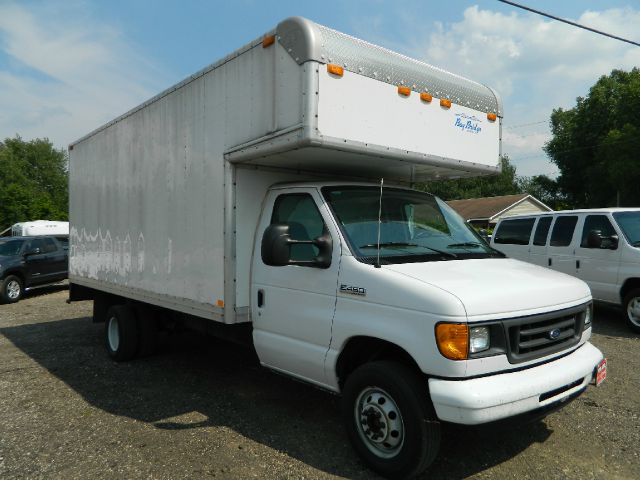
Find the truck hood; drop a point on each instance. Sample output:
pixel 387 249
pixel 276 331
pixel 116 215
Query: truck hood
pixel 491 287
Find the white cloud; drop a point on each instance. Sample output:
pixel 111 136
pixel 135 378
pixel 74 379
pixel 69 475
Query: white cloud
pixel 68 73
pixel 535 64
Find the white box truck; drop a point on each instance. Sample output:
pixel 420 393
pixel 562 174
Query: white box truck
pixel 247 201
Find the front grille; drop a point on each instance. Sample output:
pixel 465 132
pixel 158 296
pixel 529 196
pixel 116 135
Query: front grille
pixel 536 336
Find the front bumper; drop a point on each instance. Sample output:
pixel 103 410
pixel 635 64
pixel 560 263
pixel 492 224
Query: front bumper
pixel 486 399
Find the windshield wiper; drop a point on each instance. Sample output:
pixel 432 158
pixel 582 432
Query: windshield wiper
pixel 464 244
pixel 389 244
pixel 404 244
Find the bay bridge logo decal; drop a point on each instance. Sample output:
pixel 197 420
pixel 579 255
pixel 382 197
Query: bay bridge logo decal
pixel 468 123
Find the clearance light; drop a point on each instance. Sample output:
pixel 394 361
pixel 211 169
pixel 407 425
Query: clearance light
pixel 268 41
pixel 404 91
pixel 492 117
pixel 426 97
pixel 446 103
pixel 334 69
pixel 453 340
pixel 220 303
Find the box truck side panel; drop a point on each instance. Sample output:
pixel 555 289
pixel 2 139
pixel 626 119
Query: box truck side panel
pixel 147 203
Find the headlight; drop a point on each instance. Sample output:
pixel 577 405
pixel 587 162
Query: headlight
pixel 479 339
pixel 587 316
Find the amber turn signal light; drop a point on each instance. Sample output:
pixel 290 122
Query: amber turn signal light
pixel 453 340
pixel 334 69
pixel 404 91
pixel 268 41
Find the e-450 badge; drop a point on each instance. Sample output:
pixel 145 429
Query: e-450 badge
pixel 353 290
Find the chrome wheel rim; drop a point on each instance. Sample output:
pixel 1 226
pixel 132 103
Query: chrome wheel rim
pixel 113 335
pixel 633 311
pixel 379 422
pixel 13 289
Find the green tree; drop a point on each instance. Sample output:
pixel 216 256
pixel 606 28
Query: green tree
pixel 596 144
pixel 545 189
pixel 33 181
pixel 505 183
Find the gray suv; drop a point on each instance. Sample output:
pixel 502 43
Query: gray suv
pixel 28 262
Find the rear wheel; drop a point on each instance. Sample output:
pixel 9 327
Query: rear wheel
pixel 12 289
pixel 121 333
pixel 389 420
pixel 631 309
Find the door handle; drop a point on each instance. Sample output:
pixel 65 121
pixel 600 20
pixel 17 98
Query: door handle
pixel 260 298
pixel 549 262
pixel 577 263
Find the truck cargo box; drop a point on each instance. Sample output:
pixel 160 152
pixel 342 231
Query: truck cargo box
pixel 164 199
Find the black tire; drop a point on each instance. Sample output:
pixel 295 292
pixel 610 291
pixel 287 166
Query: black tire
pixel 121 333
pixel 398 398
pixel 631 309
pixel 12 289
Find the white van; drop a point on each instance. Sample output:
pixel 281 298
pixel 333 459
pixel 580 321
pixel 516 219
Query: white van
pixel 599 246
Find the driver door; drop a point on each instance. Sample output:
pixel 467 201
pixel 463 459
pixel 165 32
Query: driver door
pixel 292 306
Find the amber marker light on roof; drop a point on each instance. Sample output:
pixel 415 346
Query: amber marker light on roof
pixel 268 41
pixel 404 91
pixel 335 69
pixel 445 102
pixel 492 117
pixel 453 340
pixel 426 97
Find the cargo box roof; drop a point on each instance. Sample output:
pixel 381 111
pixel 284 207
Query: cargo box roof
pixel 306 40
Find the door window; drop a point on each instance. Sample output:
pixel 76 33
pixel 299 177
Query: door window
pixel 563 231
pixel 49 245
pixel 542 231
pixel 36 243
pixel 299 211
pixel 599 223
pixel 515 232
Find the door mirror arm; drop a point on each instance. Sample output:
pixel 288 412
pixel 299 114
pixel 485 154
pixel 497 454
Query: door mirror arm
pixel 276 248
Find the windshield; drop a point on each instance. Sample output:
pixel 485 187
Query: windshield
pixel 414 226
pixel 629 223
pixel 10 247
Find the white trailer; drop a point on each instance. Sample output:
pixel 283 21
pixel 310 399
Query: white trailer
pixel 40 227
pixel 248 199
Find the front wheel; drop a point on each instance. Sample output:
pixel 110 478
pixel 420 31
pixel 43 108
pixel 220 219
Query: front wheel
pixel 11 289
pixel 631 309
pixel 389 420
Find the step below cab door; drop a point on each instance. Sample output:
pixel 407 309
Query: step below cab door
pixel 292 306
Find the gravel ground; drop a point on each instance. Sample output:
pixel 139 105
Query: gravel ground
pixel 202 408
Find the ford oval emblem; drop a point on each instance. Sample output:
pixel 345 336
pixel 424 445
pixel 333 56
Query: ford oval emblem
pixel 554 334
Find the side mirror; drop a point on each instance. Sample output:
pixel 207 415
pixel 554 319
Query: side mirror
pixel 35 251
pixel 594 239
pixel 276 248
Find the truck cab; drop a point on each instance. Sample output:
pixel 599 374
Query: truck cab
pixel 350 276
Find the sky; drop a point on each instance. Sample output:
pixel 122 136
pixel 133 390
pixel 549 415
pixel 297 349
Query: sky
pixel 69 66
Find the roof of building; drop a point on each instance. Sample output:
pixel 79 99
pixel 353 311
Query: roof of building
pixel 489 207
